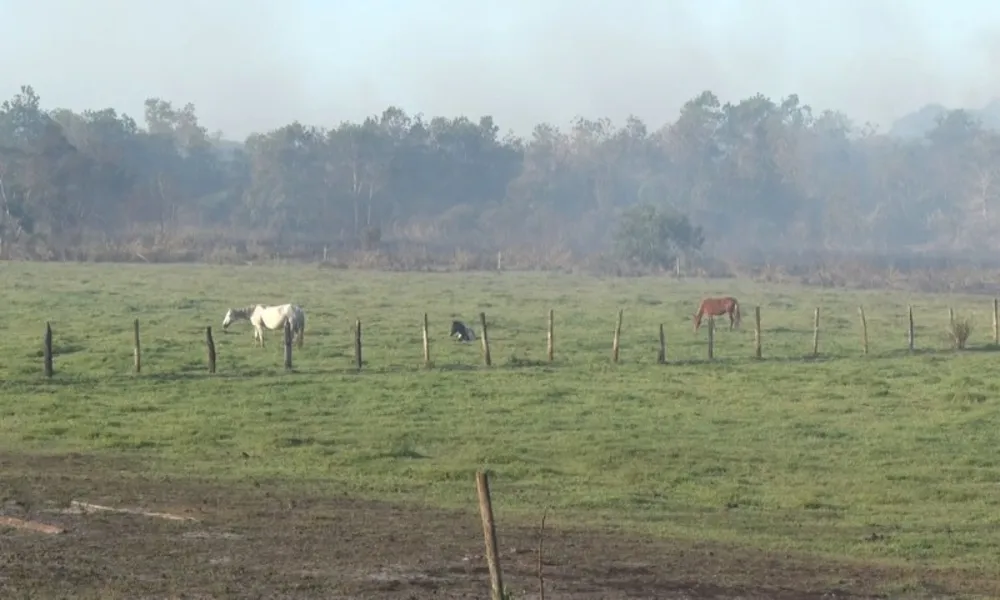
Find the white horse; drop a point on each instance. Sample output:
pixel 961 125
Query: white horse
pixel 262 316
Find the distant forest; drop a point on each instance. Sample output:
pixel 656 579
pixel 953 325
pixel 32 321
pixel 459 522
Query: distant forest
pixel 748 180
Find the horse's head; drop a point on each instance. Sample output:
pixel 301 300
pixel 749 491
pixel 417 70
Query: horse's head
pixel 697 320
pixel 227 320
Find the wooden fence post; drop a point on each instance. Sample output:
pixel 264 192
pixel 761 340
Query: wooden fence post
pixel 489 535
pixel 996 322
pixel 541 538
pixel 288 345
pixel 661 356
pixel 136 351
pixel 757 351
pixel 711 337
pixel 864 329
pixel 911 337
pixel 47 350
pixel 486 340
pixel 427 344
pixel 816 332
pixel 951 319
pixel 551 340
pixel 210 343
pixel 357 343
pixel 616 343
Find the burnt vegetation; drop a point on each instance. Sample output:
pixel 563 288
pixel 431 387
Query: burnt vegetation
pixel 771 189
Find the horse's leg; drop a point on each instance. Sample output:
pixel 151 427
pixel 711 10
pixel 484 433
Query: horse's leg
pixel 732 320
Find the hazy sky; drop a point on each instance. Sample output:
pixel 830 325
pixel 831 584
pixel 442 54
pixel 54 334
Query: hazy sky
pixel 250 65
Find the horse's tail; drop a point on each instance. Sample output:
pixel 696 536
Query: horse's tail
pixel 736 310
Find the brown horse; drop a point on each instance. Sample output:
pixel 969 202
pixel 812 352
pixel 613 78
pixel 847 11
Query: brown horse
pixel 715 307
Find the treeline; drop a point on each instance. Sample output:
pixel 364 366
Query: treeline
pixel 756 176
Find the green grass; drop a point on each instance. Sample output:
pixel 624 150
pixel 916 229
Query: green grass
pixel 787 453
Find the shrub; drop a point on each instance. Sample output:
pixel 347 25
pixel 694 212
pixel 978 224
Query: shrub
pixel 654 237
pixel 959 330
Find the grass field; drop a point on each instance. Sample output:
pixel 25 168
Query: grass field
pixel 889 459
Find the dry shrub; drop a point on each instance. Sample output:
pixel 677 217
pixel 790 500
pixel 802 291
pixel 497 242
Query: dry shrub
pixel 371 237
pixel 363 259
pixel 224 255
pixel 464 260
pixel 959 331
pixel 539 257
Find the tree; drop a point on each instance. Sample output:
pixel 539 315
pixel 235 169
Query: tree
pixel 757 174
pixel 652 237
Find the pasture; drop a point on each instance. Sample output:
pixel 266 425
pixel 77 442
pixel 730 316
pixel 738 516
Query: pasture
pixel 788 477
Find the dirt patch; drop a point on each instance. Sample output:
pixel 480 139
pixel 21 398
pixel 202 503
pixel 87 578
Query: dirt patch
pixel 272 542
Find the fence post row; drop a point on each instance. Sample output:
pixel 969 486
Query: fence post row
pixel 661 355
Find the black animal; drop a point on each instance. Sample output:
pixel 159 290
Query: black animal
pixel 462 332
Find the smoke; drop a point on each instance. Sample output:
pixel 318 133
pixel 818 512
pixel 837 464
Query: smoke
pixel 251 65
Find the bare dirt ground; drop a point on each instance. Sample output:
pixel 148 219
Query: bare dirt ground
pixel 262 541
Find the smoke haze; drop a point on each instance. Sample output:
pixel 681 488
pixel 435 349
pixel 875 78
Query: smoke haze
pixel 250 65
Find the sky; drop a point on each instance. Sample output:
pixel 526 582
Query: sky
pixel 252 66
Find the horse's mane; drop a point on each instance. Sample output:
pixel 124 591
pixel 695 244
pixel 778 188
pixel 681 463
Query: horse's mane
pixel 246 311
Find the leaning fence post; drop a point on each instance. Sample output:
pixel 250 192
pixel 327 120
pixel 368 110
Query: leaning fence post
pixel 210 343
pixel 486 340
pixel 489 535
